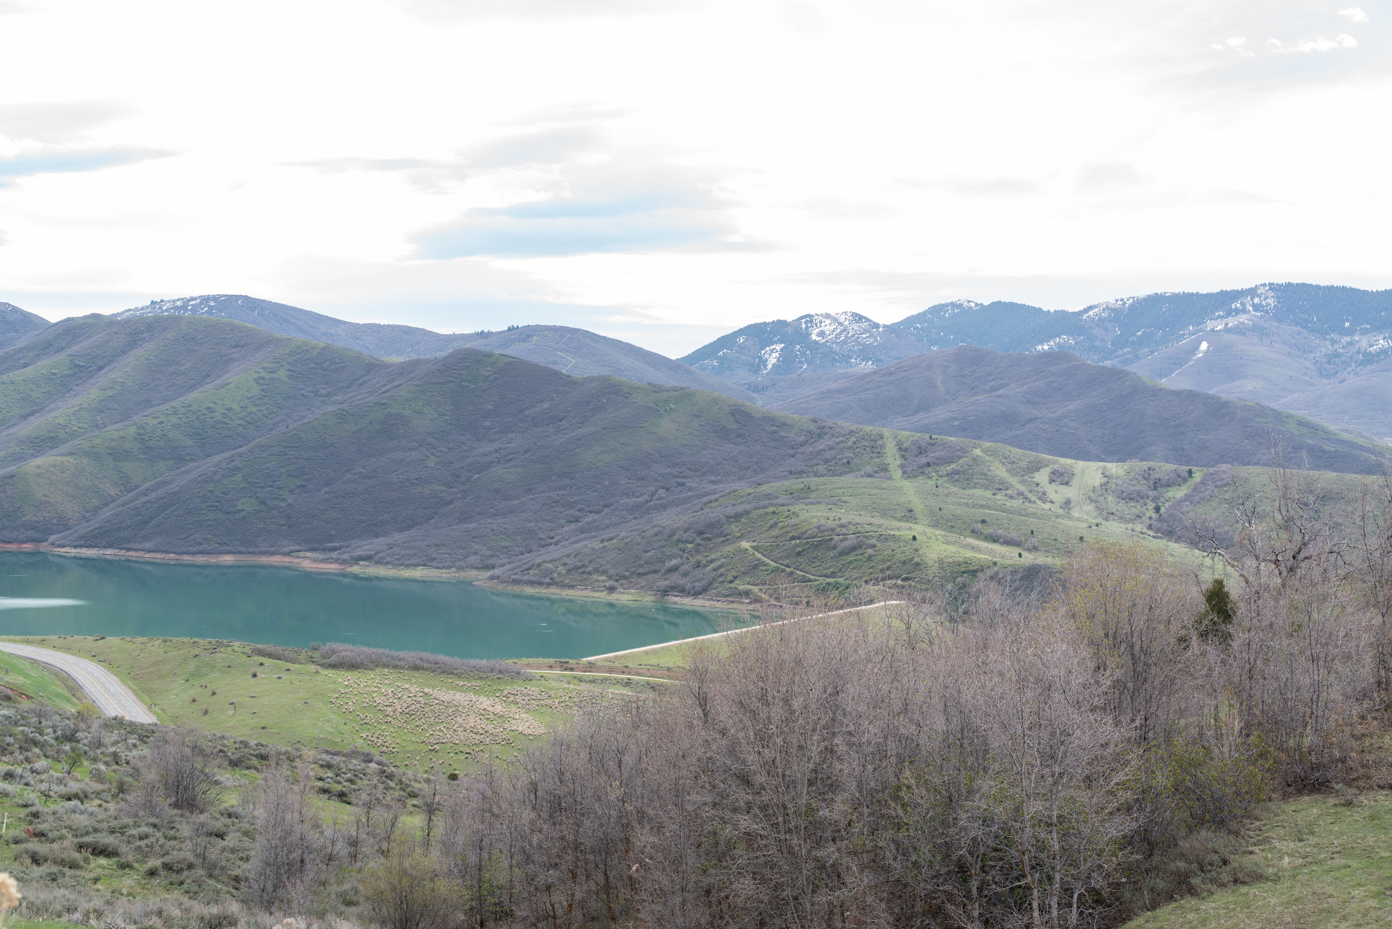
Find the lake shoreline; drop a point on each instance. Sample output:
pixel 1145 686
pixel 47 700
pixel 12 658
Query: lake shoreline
pixel 359 569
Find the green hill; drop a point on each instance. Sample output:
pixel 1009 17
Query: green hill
pixel 1058 404
pixel 195 435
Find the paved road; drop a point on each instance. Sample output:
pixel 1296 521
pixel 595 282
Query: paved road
pixel 100 685
pixel 721 635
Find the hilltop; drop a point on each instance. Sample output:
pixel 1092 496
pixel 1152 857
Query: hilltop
pixel 15 324
pixel 572 351
pixel 581 353
pixel 784 357
pixel 379 340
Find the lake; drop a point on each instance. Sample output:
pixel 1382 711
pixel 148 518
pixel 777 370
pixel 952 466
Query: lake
pixel 42 594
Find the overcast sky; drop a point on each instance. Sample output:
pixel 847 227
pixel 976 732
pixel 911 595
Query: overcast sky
pixel 664 172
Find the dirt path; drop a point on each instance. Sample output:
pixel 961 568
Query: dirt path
pixel 749 547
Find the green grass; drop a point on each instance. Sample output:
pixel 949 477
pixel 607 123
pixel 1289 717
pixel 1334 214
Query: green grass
pixel 413 718
pixel 19 922
pixel 37 683
pixel 926 529
pixel 1328 866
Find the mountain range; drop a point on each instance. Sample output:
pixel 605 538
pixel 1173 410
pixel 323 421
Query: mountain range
pixel 196 435
pixel 1322 351
pixel 572 351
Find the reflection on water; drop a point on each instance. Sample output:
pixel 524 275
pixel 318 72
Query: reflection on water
pixel 285 606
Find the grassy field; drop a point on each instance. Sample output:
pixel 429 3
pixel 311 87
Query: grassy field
pixel 413 718
pixel 35 682
pixel 1328 864
pixel 820 537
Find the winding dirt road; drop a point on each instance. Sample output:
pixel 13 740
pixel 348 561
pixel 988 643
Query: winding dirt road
pixel 102 687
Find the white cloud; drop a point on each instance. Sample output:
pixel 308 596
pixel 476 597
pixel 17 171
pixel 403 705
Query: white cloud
pixel 614 207
pixel 57 122
pixel 1107 177
pixel 607 161
pixel 28 159
pixel 1237 45
pixel 1354 15
pixel 1315 45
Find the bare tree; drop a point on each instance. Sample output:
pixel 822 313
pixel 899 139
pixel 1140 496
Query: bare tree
pixel 287 828
pixel 1372 562
pixel 179 771
pixel 1131 610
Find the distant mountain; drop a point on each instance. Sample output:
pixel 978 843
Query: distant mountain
pixel 811 344
pixel 581 353
pixel 574 351
pixel 15 324
pixel 1059 404
pixel 380 340
pixel 1005 327
pixel 1298 347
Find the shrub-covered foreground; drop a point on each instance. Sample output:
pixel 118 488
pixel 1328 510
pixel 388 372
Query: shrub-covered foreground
pixel 1054 755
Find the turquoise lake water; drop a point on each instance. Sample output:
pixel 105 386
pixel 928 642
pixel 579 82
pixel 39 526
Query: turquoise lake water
pixel 43 594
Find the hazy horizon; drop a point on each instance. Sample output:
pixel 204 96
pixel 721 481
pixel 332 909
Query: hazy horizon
pixel 667 172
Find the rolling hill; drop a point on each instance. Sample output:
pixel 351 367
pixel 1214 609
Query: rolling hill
pixel 573 351
pixel 376 339
pixel 1058 404
pixel 196 435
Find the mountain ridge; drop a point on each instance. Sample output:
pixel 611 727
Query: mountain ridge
pixel 1303 348
pixel 1056 403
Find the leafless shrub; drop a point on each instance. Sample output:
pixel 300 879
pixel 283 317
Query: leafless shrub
pixel 360 657
pixel 287 829
pixel 178 771
pixel 409 890
pixel 280 653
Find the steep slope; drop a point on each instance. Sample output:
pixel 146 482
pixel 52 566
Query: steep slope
pixel 811 344
pixel 580 353
pixel 1058 404
pixel 15 324
pixel 202 435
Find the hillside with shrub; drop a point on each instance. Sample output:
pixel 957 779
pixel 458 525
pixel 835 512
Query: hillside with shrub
pixel 1080 751
pixel 191 435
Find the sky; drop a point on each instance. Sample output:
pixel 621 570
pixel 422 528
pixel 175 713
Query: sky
pixel 665 172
